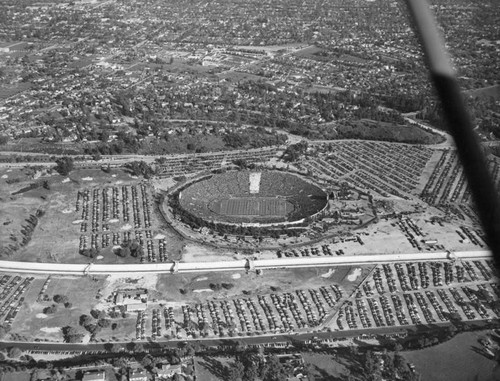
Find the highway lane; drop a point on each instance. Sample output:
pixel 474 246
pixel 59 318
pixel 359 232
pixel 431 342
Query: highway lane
pixel 232 265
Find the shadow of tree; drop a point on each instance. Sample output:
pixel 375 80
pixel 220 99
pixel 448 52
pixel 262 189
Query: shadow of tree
pixel 482 352
pixel 323 375
pixel 215 367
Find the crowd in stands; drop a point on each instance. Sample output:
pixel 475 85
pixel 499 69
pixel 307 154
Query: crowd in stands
pixel 202 198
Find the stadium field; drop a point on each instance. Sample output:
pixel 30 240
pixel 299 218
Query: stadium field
pixel 253 206
pixel 255 197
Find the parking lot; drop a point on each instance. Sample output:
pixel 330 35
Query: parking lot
pixel 12 289
pixel 114 215
pixel 393 295
pixel 422 293
pixel 394 172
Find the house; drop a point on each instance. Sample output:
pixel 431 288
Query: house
pixel 99 375
pixel 167 370
pixel 131 296
pixel 138 375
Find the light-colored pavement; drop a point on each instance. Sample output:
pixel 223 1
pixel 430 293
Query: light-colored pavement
pixel 235 265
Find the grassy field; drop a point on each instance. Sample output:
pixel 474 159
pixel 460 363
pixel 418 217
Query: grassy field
pixel 456 360
pixel 210 368
pixel 57 235
pixel 16 376
pixel 169 286
pixel 485 92
pixel 325 367
pixel 31 321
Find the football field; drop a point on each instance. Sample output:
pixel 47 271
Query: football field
pixel 255 206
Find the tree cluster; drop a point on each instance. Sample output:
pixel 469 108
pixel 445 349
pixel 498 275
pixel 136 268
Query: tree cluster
pixel 140 168
pixel 91 253
pixel 130 248
pixel 64 165
pixel 71 335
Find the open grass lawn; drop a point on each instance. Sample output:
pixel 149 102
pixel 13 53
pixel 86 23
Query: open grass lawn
pixel 16 376
pixel 31 322
pixel 56 237
pixel 210 368
pixel 272 281
pixel 125 330
pixel 325 367
pixel 485 92
pixel 15 209
pixel 456 360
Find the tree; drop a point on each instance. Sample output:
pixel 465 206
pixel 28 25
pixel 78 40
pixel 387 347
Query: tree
pixel 50 310
pixel 274 370
pixel 115 348
pixel 119 362
pixel 123 252
pixel 64 165
pixel 61 299
pixel 14 352
pixel 97 314
pixel 71 335
pixel 104 136
pixel 135 347
pixel 399 362
pixel 85 320
pixel 251 372
pixel 190 351
pixel 236 371
pixel 104 323
pixel 148 361
pixel 3 331
pixel 91 253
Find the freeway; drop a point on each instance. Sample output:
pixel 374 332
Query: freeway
pixel 233 265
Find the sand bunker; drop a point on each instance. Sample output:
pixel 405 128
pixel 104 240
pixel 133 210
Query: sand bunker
pixel 117 281
pixel 126 227
pixel 113 220
pixel 68 210
pixel 66 180
pixel 50 329
pixel 201 279
pixel 5 176
pixel 41 316
pixel 236 276
pixel 354 274
pixel 76 222
pixel 203 290
pixel 99 257
pixel 159 236
pixel 87 179
pixel 328 274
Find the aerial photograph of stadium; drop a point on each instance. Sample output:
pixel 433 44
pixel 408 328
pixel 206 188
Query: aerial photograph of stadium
pixel 249 190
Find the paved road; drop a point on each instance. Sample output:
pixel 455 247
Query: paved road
pixel 232 265
pixel 229 341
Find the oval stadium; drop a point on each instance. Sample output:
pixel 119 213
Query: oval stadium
pixel 253 198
